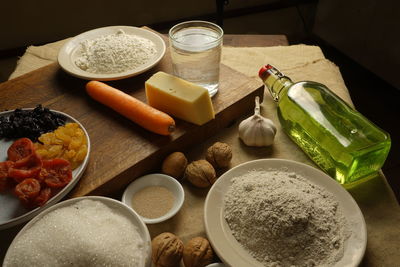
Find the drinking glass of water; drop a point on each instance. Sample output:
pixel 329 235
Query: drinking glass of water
pixel 196 52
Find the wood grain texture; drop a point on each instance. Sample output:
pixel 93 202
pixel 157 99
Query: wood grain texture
pixel 121 150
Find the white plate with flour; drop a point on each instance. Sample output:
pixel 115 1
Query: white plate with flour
pixel 232 253
pixel 111 53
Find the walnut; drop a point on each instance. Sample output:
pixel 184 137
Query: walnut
pixel 219 155
pixel 175 165
pixel 201 173
pixel 198 253
pixel 167 250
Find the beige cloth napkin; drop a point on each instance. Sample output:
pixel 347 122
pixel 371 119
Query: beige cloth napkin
pixel 300 62
pixel 36 57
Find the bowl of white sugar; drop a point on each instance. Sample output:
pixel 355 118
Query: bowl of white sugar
pixel 85 231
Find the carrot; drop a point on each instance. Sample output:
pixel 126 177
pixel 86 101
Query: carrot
pixel 146 116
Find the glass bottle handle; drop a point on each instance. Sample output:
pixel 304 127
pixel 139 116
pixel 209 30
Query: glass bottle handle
pixel 279 78
pixel 274 94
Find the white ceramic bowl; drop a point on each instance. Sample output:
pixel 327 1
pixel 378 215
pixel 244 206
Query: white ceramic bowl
pixel 156 179
pixel 115 205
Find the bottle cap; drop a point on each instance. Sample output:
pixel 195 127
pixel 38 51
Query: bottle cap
pixel 263 72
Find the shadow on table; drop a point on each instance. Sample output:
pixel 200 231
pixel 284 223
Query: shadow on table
pixel 7 235
pixel 382 214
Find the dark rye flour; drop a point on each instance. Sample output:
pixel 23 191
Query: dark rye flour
pixel 284 220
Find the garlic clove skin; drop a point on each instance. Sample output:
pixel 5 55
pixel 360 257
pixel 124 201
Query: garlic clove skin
pixel 257 131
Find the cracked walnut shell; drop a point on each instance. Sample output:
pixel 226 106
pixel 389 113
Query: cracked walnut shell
pixel 167 250
pixel 198 253
pixel 201 173
pixel 219 155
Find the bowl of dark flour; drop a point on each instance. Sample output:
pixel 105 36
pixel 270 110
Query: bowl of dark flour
pixel 275 212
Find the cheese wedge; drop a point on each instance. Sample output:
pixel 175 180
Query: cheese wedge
pixel 179 98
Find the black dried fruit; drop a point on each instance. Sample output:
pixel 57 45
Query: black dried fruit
pixel 30 123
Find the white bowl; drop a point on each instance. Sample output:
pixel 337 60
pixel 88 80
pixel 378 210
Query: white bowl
pixel 156 179
pixel 115 205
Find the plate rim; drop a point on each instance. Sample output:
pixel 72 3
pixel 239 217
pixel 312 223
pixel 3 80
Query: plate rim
pixel 65 62
pixel 55 199
pixel 227 176
pixel 105 200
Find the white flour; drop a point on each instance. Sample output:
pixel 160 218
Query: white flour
pixel 114 53
pixel 284 220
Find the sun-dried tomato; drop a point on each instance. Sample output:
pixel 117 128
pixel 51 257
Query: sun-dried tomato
pixel 43 196
pixel 20 149
pixel 27 190
pixel 56 173
pixel 28 167
pixel 4 178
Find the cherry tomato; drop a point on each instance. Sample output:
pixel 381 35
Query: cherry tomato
pixel 56 173
pixel 28 167
pixel 43 197
pixel 20 149
pixel 27 190
pixel 4 179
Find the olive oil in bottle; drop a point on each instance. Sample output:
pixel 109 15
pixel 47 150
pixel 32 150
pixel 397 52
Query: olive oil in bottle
pixel 340 140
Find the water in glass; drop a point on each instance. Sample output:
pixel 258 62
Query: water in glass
pixel 196 55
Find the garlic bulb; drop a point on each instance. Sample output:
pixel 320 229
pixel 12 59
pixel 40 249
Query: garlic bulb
pixel 257 130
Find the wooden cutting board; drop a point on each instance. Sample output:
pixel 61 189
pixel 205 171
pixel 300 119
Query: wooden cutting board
pixel 121 150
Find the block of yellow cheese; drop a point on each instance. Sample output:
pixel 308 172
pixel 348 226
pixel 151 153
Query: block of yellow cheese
pixel 179 98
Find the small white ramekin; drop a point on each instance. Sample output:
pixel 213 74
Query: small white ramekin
pixel 156 179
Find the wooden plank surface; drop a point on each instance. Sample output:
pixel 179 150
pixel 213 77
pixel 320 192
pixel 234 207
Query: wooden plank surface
pixel 121 150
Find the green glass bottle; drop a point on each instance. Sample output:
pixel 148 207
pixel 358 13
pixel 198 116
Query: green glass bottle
pixel 340 140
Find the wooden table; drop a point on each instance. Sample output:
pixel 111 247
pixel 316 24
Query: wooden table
pixel 380 212
pixel 51 87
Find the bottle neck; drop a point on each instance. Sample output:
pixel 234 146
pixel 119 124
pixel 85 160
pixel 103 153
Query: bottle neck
pixel 275 81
